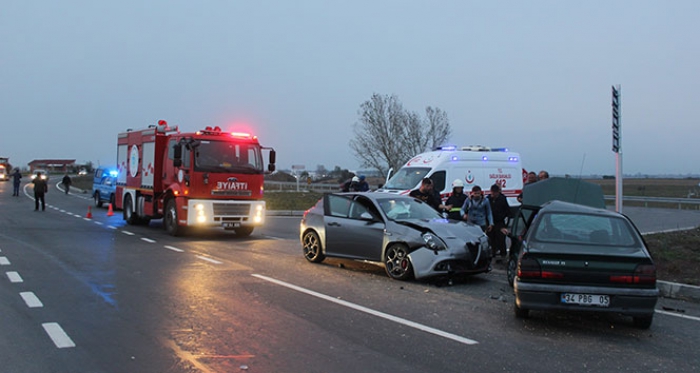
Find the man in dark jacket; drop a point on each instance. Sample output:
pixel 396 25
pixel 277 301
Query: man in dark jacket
pixel 66 183
pixel 454 203
pixel 501 211
pixel 16 179
pixel 40 189
pixel 426 194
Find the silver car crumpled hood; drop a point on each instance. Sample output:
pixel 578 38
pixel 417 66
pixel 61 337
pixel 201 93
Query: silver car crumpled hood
pixel 457 236
pixel 446 229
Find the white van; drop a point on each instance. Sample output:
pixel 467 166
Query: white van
pixel 475 165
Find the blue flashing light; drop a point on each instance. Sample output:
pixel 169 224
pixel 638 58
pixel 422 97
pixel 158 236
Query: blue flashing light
pixel 484 158
pixel 513 159
pixel 454 158
pixel 450 147
pixel 113 173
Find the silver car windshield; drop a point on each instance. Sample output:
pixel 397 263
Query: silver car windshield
pixel 582 228
pixel 407 208
pixel 224 156
pixel 407 178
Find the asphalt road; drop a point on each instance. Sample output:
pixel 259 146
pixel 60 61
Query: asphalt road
pixel 96 295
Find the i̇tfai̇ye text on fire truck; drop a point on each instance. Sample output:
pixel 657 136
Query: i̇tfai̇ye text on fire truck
pixel 201 179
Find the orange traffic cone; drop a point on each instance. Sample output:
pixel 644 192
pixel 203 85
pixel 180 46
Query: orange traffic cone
pixel 89 213
pixel 110 212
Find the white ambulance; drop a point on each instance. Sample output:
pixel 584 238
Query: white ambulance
pixel 474 165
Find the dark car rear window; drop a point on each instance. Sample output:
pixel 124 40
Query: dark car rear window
pixel 601 230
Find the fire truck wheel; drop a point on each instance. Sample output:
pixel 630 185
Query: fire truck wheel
pixel 243 231
pixel 129 214
pixel 170 219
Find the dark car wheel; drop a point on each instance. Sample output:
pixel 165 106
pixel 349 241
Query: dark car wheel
pixel 521 313
pixel 512 269
pixel 643 322
pixel 98 201
pixel 311 245
pixel 396 262
pixel 112 199
pixel 170 219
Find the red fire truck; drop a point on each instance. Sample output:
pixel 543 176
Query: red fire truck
pixel 206 178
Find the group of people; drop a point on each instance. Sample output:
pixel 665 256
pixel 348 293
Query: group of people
pixel 488 212
pixel 41 187
pixel 356 184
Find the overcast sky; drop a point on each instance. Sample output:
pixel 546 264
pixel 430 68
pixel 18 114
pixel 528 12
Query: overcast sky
pixel 533 76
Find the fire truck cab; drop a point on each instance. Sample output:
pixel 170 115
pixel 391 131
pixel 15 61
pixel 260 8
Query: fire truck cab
pixel 201 179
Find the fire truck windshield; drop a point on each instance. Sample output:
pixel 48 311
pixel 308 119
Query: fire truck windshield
pixel 228 157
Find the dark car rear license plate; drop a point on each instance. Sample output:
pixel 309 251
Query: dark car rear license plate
pixel 597 300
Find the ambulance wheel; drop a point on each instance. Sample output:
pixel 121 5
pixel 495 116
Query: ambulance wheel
pixel 98 201
pixel 129 214
pixel 170 219
pixel 243 231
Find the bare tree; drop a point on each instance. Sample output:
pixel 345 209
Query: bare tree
pixel 386 135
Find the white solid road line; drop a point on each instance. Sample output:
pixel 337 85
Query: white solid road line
pixel 682 316
pixel 370 311
pixel 14 277
pixel 57 335
pixel 31 300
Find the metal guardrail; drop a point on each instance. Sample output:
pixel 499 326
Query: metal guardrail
pixel 285 186
pixel 692 202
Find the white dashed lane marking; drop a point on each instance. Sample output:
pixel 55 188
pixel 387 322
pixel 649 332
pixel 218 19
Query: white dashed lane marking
pixel 31 300
pixel 57 335
pixel 4 261
pixel 128 233
pixel 147 240
pixel 14 277
pixel 210 260
pixel 173 248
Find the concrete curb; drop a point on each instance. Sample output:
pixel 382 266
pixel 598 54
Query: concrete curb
pixel 675 290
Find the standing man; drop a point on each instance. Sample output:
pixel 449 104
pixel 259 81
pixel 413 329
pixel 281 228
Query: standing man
pixel 477 210
pixel 40 189
pixel 66 183
pixel 363 186
pixel 16 178
pixel 501 211
pixel 426 194
pixel 454 203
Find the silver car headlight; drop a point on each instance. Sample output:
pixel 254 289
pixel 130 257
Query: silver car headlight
pixel 433 242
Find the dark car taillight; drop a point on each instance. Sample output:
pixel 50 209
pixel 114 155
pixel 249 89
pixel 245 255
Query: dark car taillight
pixel 644 274
pixel 529 268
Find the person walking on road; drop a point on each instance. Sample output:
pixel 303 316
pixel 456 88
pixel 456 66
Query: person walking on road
pixel 40 189
pixel 66 183
pixel 16 178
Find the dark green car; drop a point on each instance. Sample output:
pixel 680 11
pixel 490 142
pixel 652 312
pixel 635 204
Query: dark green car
pixel 569 253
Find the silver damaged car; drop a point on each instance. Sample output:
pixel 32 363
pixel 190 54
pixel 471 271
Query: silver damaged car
pixel 410 238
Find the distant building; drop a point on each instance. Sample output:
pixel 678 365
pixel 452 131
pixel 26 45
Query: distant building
pixel 52 165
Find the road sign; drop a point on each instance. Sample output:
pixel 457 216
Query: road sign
pixel 616 135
